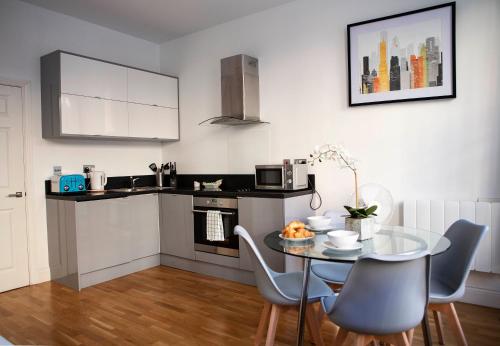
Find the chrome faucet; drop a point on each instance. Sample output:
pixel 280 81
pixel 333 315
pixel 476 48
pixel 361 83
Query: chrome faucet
pixel 132 182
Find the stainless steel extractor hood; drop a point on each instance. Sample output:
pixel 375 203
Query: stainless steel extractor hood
pixel 239 92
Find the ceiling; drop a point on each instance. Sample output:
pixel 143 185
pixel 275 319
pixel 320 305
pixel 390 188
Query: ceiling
pixel 157 20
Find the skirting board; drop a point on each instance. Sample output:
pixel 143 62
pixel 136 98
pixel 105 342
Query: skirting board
pixel 233 274
pixel 483 289
pixel 478 296
pixel 111 273
pixel 39 275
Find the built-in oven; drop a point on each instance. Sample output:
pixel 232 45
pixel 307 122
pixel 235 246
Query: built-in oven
pixel 228 208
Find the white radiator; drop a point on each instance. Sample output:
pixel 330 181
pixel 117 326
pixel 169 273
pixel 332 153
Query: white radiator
pixel 437 216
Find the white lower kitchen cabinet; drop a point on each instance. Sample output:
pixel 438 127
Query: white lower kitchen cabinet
pixel 145 229
pixel 102 233
pixel 176 225
pixel 260 216
pixel 153 122
pixel 93 241
pixel 90 116
pixel 99 240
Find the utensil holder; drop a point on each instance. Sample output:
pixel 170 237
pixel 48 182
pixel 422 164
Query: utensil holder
pixel 159 178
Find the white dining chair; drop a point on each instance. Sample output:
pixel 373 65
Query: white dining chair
pixel 333 273
pixel 281 291
pixel 383 299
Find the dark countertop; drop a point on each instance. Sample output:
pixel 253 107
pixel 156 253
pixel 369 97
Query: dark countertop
pixel 97 195
pixel 251 193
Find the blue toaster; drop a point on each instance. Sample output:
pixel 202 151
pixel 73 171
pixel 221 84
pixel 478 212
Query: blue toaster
pixel 67 183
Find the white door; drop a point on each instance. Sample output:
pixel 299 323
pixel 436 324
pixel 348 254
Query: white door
pixel 13 239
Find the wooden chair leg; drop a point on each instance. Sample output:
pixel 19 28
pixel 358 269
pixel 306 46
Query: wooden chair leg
pixel 314 327
pixel 451 314
pixel 449 311
pixel 399 339
pixel 402 339
pixel 409 335
pixel 439 326
pixel 273 323
pixel 362 340
pixel 264 317
pixel 320 314
pixel 359 340
pixel 341 337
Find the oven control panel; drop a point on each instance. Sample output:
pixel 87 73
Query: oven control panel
pixel 214 202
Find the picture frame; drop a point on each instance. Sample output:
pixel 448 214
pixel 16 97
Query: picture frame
pixel 404 57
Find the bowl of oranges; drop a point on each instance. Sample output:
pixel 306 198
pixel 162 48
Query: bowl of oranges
pixel 296 231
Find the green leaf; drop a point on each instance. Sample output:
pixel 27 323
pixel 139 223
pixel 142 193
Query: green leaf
pixel 371 210
pixel 363 211
pixel 358 214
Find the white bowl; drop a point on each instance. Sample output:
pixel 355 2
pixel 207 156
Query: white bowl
pixel 318 221
pixel 343 239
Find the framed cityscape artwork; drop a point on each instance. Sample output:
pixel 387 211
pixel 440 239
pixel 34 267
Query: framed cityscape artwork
pixel 404 57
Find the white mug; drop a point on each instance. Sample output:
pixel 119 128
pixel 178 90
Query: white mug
pixel 98 180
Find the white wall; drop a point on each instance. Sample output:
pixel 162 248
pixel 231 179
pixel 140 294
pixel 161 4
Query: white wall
pixel 447 149
pixel 28 32
pixel 443 149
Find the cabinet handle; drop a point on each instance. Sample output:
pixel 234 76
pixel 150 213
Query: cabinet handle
pixel 204 211
pixel 18 194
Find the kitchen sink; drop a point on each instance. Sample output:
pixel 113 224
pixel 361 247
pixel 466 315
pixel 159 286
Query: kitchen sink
pixel 141 189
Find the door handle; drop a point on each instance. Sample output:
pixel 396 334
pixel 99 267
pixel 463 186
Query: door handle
pixel 18 194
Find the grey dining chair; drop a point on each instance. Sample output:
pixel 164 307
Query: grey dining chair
pixel 383 299
pixel 282 291
pixel 449 273
pixel 333 273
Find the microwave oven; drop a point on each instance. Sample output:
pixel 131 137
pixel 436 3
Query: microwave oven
pixel 286 176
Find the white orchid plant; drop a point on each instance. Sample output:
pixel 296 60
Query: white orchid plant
pixel 338 154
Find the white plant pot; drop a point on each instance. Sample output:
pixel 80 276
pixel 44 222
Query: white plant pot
pixel 365 227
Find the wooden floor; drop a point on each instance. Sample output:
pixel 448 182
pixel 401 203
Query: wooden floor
pixel 165 306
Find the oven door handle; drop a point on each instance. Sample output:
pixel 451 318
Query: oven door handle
pixel 204 211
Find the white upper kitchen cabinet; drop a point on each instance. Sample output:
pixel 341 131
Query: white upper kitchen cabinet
pixel 153 122
pixel 82 115
pixel 91 98
pixel 152 89
pixel 94 78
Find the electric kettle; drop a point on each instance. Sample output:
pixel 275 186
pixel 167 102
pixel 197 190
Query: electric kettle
pixel 98 180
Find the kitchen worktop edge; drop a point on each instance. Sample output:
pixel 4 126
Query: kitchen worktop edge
pixel 94 196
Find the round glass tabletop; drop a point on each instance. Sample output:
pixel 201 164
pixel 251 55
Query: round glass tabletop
pixel 389 240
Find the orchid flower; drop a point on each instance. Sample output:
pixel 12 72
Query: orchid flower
pixel 338 154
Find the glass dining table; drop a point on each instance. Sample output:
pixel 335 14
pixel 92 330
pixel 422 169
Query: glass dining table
pixel 388 240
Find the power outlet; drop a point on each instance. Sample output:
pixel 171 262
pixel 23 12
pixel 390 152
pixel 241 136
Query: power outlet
pixel 57 170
